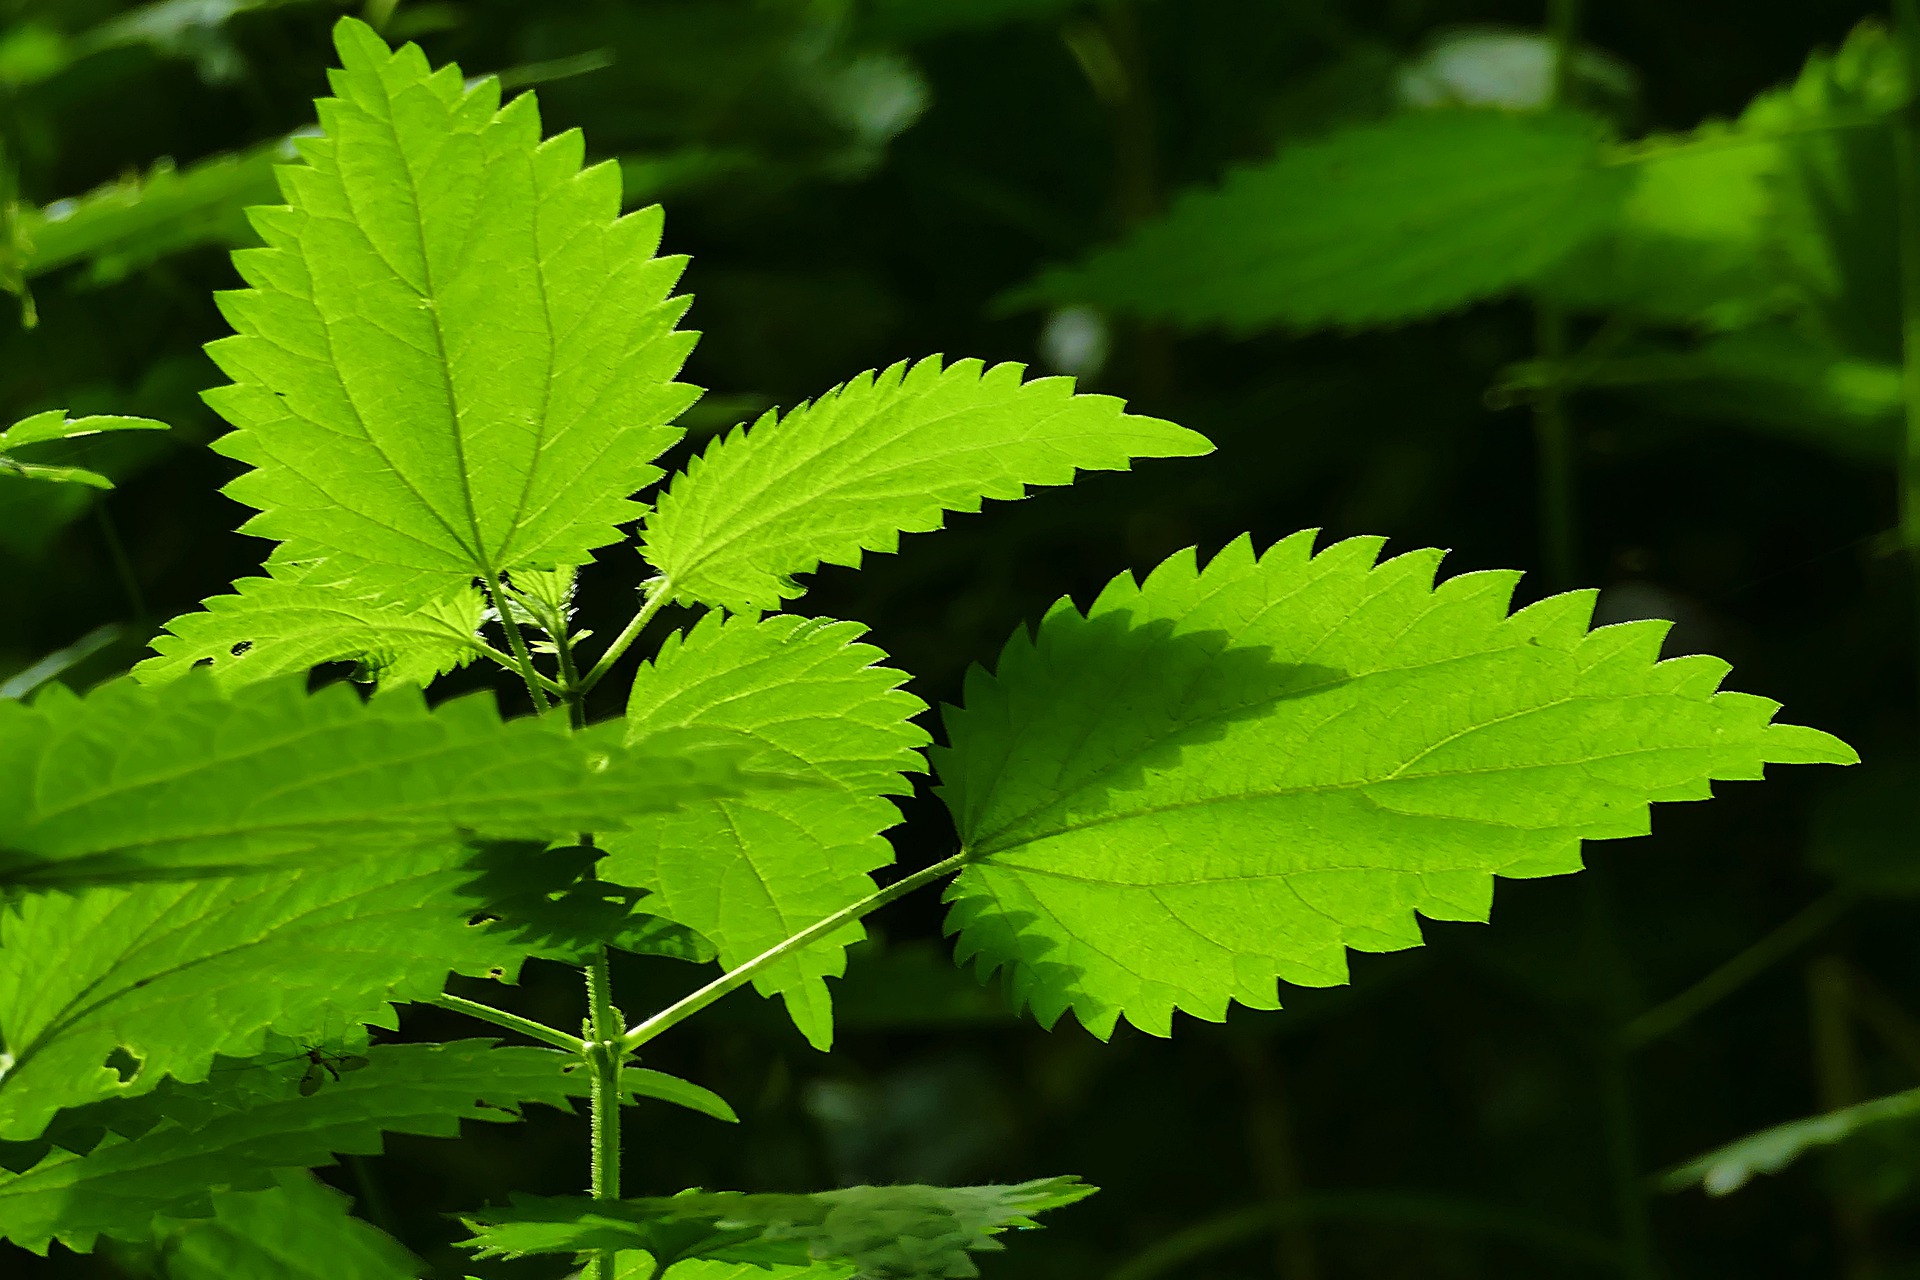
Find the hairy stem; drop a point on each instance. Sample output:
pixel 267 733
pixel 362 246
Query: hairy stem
pixel 511 1021
pixel 1673 1013
pixel 507 661
pixel 733 979
pixel 653 598
pixel 522 656
pixel 606 1057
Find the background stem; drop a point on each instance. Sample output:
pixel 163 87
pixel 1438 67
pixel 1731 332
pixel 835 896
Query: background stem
pixel 1553 429
pixel 1906 145
pixel 122 565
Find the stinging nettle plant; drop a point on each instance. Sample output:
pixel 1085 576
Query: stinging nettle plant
pixel 453 366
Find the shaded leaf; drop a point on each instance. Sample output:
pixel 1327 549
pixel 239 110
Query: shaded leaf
pixel 297 1229
pixel 885 1233
pixel 1379 223
pixel 233 1134
pixel 133 222
pixel 140 782
pixel 1771 1150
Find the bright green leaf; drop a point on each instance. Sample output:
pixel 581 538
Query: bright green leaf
pixel 234 1134
pixel 1385 222
pixel 298 1229
pixel 456 358
pixel 885 1233
pixel 155 781
pixel 885 454
pixel 750 870
pixel 1230 775
pixel 302 616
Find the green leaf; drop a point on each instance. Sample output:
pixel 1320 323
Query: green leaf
pixel 232 1135
pixel 52 426
pixel 750 870
pixel 1230 775
pixel 1835 217
pixel 885 1233
pixel 298 1229
pixel 455 358
pixel 559 907
pixel 885 454
pixel 138 782
pixel 1692 241
pixel 641 1266
pixel 303 616
pixel 1725 1171
pixel 155 980
pixel 1381 223
pixel 133 222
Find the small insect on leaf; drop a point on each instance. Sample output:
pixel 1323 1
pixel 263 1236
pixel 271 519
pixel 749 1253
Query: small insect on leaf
pixel 322 1063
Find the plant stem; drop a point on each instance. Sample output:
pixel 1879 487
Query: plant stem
pixel 1672 1014
pixel 606 1056
pixel 1175 1254
pixel 511 1021
pixel 1837 1079
pixel 1617 996
pixel 522 656
pixel 1906 145
pixel 727 982
pixel 1553 431
pixel 506 660
pixel 653 598
pixel 122 564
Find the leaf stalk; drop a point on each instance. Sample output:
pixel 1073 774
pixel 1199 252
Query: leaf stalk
pixel 654 595
pixel 511 1021
pixel 522 656
pixel 733 979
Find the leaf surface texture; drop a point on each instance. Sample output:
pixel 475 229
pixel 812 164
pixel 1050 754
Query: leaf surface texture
pixel 298 1229
pixel 302 616
pixel 749 870
pixel 1230 775
pixel 886 454
pixel 235 1134
pixel 455 357
pixel 885 1233
pixel 140 782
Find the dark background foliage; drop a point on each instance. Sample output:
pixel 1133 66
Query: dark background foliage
pixel 1474 1108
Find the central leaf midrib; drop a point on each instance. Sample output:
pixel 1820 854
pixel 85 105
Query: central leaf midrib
pixel 482 562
